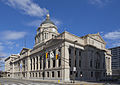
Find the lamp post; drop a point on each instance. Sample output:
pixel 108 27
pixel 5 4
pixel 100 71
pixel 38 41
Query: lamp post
pixel 74 68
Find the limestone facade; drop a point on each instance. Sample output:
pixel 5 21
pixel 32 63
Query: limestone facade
pixel 54 56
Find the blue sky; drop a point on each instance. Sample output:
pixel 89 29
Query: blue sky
pixel 19 20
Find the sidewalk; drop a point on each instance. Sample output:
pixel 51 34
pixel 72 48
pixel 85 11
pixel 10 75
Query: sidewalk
pixel 56 82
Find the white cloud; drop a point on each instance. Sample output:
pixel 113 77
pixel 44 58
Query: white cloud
pixel 57 22
pixel 12 35
pixel 116 44
pixel 35 23
pixel 99 2
pixel 112 35
pixel 28 7
pixel 9 42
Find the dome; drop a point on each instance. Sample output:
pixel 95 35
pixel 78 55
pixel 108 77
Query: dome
pixel 47 20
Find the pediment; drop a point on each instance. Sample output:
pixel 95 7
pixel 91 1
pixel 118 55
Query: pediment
pixel 97 37
pixel 23 51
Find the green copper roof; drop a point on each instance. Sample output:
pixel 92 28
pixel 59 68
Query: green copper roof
pixel 47 20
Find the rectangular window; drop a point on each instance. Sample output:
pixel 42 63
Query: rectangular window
pixel 59 62
pixel 79 53
pixel 69 61
pixel 40 62
pixel 71 72
pixel 58 73
pixel 30 74
pixel 36 74
pixel 33 74
pixel 47 74
pixel 34 63
pixel 91 74
pixel 75 51
pixel 80 63
pixel 91 63
pixel 48 63
pixel 54 63
pixel 31 64
pixel 75 63
pixel 53 74
pixel 37 62
pixel 69 51
pixel 39 74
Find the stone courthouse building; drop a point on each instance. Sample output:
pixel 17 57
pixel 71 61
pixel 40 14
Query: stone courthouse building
pixel 62 56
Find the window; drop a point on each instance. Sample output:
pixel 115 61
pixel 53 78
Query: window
pixel 34 63
pixel 30 74
pixel 53 36
pixel 69 61
pixel 91 74
pixel 39 74
pixel 40 62
pixel 75 51
pixel 47 74
pixel 59 62
pixel 75 63
pixel 79 53
pixel 48 63
pixel 31 64
pixel 36 74
pixel 80 63
pixel 91 63
pixel 37 62
pixel 54 63
pixel 58 73
pixel 33 74
pixel 45 36
pixel 54 52
pixel 69 51
pixel 53 74
pixel 76 74
pixel 70 72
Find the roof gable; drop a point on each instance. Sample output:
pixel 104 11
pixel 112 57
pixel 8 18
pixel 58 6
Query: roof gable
pixel 97 37
pixel 23 51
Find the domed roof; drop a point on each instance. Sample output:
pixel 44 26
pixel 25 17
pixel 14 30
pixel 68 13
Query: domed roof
pixel 47 20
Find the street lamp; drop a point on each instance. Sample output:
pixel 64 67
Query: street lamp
pixel 74 68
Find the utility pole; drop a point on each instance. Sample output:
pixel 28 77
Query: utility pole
pixel 74 68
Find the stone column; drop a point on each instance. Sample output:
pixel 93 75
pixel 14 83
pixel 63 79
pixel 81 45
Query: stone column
pixel 38 62
pixel 28 67
pixel 65 63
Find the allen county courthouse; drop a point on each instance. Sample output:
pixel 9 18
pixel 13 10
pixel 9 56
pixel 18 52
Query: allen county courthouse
pixel 62 56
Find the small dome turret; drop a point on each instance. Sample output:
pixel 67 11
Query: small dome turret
pixel 47 20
